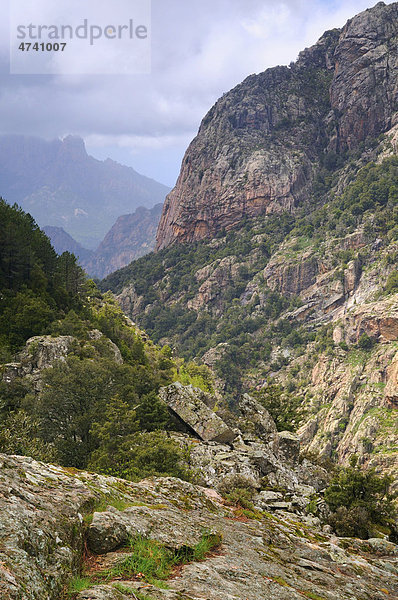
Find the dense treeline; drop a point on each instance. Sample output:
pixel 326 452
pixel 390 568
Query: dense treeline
pixel 36 284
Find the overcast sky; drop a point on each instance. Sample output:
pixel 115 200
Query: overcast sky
pixel 200 49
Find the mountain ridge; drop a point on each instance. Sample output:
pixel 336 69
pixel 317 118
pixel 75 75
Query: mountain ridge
pixel 259 146
pixel 131 236
pixel 62 186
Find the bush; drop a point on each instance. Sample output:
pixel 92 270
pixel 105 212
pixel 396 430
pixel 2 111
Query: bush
pixel 361 502
pixel 392 283
pixel 283 407
pixel 365 342
pixel 139 455
pixel 239 490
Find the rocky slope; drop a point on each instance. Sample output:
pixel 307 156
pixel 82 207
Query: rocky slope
pixel 55 522
pixel 305 298
pixel 258 149
pixel 60 185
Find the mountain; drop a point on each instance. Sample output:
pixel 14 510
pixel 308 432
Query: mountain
pixel 63 242
pixel 278 248
pixel 260 147
pixel 60 185
pixel 130 237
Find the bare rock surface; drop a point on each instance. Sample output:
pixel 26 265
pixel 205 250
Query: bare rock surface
pixel 188 404
pixel 42 532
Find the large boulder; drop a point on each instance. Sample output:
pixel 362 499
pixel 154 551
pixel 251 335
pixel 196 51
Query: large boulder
pixel 188 405
pixel 289 447
pixel 256 423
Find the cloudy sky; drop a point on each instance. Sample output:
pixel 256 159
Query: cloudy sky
pixel 200 49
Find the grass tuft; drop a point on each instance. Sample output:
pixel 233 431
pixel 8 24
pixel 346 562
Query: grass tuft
pixel 78 584
pixel 152 561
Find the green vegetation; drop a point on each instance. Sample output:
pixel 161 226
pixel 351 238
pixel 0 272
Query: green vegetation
pixel 93 410
pixel 37 286
pixel 283 407
pixel 250 326
pixel 152 561
pixel 238 490
pixel 147 560
pixel 78 584
pixel 391 286
pixel 361 502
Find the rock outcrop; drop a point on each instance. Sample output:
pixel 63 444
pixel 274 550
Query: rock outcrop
pixel 258 148
pixel 131 236
pixel 252 449
pixel 41 352
pixel 48 515
pixel 188 405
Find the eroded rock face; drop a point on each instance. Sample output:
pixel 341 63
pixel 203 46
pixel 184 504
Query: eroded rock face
pixel 289 447
pixel 257 148
pixel 40 352
pixel 256 423
pixel 41 542
pixel 357 410
pixel 365 80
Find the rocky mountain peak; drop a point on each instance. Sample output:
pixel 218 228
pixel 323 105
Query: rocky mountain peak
pixel 258 149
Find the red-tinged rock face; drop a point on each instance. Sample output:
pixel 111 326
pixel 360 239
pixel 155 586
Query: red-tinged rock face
pixel 258 148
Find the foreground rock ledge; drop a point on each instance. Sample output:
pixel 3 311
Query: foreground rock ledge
pixel 42 532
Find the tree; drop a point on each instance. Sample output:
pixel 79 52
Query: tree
pixel 74 394
pixel 283 407
pixel 360 501
pixel 113 436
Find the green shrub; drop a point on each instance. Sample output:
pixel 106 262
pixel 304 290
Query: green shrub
pixel 365 342
pixel 283 407
pixel 391 286
pixel 361 502
pixel 138 455
pixel 239 490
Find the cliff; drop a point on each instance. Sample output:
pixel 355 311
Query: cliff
pixel 132 236
pixel 259 148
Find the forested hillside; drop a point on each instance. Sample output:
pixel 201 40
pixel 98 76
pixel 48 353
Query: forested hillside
pixel 83 387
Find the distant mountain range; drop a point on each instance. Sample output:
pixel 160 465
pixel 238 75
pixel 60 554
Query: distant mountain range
pixel 130 237
pixel 61 186
pixel 63 242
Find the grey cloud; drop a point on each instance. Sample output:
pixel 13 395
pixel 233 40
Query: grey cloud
pixel 200 49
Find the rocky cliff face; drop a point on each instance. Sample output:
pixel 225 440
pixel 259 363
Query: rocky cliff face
pixel 258 148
